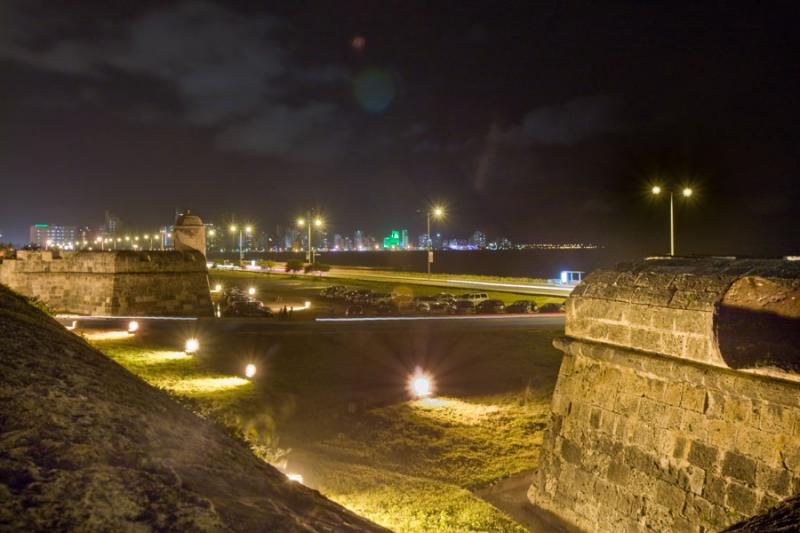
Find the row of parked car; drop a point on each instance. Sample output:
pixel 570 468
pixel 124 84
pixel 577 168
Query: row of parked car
pixel 235 302
pixel 444 303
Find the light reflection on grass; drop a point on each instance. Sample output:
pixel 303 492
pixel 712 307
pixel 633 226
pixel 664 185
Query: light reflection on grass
pixel 106 335
pixel 409 466
pixel 203 386
pixel 454 410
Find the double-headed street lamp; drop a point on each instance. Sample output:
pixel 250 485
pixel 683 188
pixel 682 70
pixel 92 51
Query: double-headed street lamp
pixel 435 212
pixel 242 230
pixel 307 223
pixel 686 192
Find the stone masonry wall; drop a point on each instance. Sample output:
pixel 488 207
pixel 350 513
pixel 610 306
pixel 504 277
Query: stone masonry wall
pixel 651 429
pixel 112 283
pixel 645 443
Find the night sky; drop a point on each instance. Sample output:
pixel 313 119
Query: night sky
pixel 540 122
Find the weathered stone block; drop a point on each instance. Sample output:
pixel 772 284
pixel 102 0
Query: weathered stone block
pixel 694 398
pixel 704 456
pixel 741 499
pixel 739 467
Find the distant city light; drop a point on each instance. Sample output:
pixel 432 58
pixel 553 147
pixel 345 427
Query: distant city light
pixel 192 345
pixel 250 370
pixel 133 326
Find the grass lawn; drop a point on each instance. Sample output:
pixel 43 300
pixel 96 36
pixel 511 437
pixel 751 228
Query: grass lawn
pixel 331 404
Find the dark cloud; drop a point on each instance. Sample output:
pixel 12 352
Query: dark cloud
pixel 311 131
pixel 567 123
pixel 229 70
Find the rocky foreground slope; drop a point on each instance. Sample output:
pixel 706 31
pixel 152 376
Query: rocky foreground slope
pixel 84 444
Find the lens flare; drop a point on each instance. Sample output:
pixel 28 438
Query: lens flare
pixel 192 345
pixel 295 477
pixel 420 384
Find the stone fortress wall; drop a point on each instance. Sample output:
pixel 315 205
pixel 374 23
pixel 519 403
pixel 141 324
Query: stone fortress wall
pixel 119 283
pixel 677 406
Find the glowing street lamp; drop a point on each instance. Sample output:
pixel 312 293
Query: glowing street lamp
pixel 250 370
pixel 192 345
pixel 251 291
pixel 686 192
pixel 307 222
pixel 437 212
pixel 242 230
pixel 420 384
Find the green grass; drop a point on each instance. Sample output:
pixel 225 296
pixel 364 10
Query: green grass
pixel 333 406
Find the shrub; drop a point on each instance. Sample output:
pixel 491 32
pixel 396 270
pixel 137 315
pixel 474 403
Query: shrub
pixel 294 266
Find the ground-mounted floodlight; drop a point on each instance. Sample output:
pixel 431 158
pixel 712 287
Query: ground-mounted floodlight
pixel 420 384
pixel 192 345
pixel 250 370
pixel 133 326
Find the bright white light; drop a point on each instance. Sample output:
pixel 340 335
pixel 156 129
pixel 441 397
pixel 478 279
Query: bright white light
pixel 307 305
pixel 656 189
pixel 420 384
pixel 250 370
pixel 687 192
pixel 295 477
pixel 218 287
pixel 133 326
pixel 74 324
pixel 251 291
pixel 192 346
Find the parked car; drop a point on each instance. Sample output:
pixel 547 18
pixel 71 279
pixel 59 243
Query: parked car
pixel 422 304
pixel 333 291
pixel 521 307
pixel 252 308
pixel 552 307
pixel 440 308
pixel 474 297
pixel 446 297
pixel 354 310
pixel 377 298
pixel 491 307
pixel 386 309
pixel 464 307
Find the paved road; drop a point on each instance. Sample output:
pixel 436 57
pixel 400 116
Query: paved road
pixel 534 289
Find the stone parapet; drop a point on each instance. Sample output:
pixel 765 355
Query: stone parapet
pixel 112 283
pixel 736 313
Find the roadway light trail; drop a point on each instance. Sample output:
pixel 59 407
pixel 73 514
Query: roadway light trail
pixel 512 285
pixel 417 318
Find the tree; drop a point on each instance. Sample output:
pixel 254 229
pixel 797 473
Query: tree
pixel 294 266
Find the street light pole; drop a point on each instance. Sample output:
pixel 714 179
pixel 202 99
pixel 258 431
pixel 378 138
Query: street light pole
pixel 430 243
pixel 686 192
pixel 310 254
pixel 437 212
pixel 671 226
